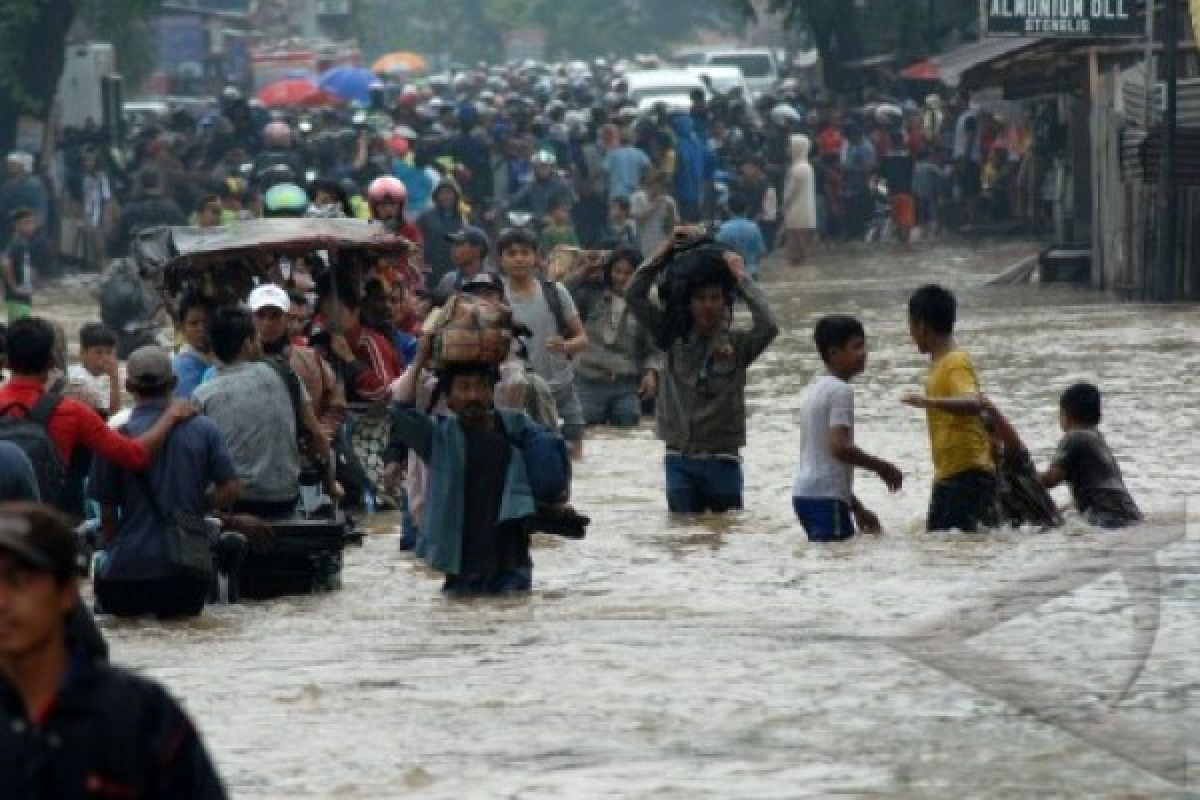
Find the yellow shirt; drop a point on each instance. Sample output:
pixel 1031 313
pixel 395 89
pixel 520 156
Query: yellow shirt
pixel 958 441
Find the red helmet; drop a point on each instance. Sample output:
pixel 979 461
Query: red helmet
pixel 386 188
pixel 277 134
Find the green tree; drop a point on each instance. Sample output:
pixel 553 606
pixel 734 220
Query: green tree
pixel 472 30
pixel 33 36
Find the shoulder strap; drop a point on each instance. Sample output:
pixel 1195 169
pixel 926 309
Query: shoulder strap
pixel 44 408
pixel 554 300
pixel 292 382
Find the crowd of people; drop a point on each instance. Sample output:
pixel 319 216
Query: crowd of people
pixel 575 152
pixel 333 384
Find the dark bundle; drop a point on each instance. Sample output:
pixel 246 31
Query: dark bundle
pixel 693 264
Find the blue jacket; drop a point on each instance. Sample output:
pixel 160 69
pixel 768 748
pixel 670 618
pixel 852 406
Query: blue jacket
pixel 438 440
pixel 689 161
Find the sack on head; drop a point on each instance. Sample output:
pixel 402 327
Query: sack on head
pixel 472 331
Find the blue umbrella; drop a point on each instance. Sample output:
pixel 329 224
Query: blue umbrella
pixel 349 83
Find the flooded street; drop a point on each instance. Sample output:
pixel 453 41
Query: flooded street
pixel 723 658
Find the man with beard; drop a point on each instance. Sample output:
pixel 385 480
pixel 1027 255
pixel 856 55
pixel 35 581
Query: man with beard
pixel 475 528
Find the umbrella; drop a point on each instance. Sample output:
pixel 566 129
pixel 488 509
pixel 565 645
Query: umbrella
pixel 399 62
pixel 349 83
pixel 294 92
pixel 925 70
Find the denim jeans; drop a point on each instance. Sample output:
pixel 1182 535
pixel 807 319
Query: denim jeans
pixel 610 402
pixel 825 519
pixel 696 484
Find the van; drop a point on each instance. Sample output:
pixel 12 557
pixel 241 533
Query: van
pixel 671 87
pixel 723 80
pixel 757 64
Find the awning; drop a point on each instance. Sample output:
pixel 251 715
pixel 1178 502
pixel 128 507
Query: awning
pixel 953 65
pixel 181 248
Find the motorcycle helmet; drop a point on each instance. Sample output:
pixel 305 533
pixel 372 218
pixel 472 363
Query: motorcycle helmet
pixel 277 134
pixel 285 200
pixel 386 188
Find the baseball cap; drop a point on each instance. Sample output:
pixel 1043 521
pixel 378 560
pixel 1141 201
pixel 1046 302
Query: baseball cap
pixel 269 296
pixel 149 367
pixel 470 235
pixel 484 280
pixel 38 536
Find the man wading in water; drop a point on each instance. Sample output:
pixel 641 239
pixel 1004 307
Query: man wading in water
pixel 475 528
pixel 702 401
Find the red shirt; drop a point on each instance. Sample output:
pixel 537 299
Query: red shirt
pixel 380 362
pixel 75 425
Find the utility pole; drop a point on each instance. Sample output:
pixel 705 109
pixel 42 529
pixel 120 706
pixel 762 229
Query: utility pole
pixel 1168 281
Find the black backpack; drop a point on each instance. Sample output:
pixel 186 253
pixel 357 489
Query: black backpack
pixel 30 433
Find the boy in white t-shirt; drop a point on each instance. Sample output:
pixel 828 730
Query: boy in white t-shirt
pixel 823 491
pixel 95 381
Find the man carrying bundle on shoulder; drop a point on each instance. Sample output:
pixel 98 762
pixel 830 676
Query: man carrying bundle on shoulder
pixel 489 470
pixel 701 410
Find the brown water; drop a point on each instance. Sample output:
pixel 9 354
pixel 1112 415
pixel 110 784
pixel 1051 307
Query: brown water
pixel 730 658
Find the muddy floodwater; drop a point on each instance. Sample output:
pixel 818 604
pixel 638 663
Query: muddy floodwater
pixel 718 658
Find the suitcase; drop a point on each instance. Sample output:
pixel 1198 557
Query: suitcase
pixel 306 559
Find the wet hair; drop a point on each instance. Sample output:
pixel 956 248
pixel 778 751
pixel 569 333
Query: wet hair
pixel 96 334
pixel 446 376
pixel 194 299
pixel 1081 402
pixel 935 306
pixel 229 332
pixel 834 331
pixel 31 346
pixel 516 237
pixel 208 200
pixel 629 255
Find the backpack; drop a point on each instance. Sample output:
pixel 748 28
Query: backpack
pixel 30 432
pixel 554 300
pixel 547 463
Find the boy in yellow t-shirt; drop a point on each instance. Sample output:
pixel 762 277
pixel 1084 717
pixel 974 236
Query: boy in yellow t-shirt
pixel 964 481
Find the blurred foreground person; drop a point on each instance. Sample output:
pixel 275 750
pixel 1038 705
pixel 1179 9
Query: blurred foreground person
pixel 72 726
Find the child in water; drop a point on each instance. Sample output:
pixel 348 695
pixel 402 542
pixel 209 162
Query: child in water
pixel 1084 461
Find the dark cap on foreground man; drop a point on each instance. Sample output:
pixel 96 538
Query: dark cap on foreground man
pixel 71 726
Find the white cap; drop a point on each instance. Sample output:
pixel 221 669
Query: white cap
pixel 269 296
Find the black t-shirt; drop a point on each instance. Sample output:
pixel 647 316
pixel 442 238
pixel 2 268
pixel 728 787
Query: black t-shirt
pixel 488 548
pixel 1095 478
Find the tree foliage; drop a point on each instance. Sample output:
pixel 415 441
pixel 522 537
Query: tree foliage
pixel 847 30
pixel 33 35
pixel 472 30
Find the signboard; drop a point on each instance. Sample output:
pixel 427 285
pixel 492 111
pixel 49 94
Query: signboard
pixel 1064 19
pixel 525 43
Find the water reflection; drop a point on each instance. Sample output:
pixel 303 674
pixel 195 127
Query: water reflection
pixel 722 657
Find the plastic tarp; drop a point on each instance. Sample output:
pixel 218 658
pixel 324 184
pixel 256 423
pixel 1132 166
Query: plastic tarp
pixel 172 248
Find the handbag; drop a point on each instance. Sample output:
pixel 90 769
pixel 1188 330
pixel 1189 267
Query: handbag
pixel 189 552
